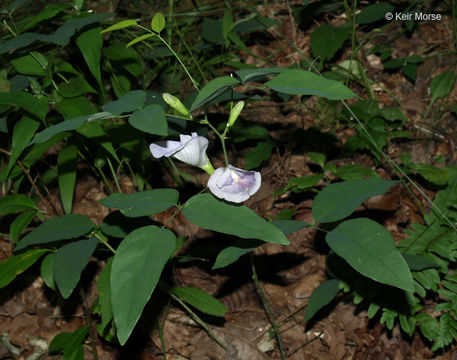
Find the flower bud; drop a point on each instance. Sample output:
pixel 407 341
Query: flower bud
pixel 175 103
pixel 235 112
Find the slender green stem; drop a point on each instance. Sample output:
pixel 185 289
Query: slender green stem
pixel 268 308
pixel 113 173
pixel 221 137
pixel 103 240
pixel 191 53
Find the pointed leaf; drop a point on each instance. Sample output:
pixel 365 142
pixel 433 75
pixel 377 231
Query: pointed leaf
pixel 131 101
pixel 370 249
pixel 90 43
pixel 137 266
pixel 46 270
pixel 232 253
pixel 11 204
pixel 104 294
pixel 250 74
pixel 302 82
pixel 70 261
pixel 321 296
pixel 142 203
pixel 442 84
pixel 339 200
pixel 64 227
pixel 209 213
pixel 150 120
pixel 139 39
pixel 66 168
pixel 213 89
pixel 158 23
pixel 121 25
pixel 200 300
pixel 17 264
pixel 22 99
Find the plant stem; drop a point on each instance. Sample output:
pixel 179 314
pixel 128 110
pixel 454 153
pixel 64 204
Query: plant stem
pixel 103 240
pixel 268 308
pixel 114 175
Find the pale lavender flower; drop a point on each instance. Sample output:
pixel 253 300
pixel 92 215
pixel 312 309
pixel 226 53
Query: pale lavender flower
pixel 191 149
pixel 233 184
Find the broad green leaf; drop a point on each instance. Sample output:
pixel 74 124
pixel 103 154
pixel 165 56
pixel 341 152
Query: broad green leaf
pixel 95 130
pixel 131 101
pixel 200 300
pixel 370 249
pixel 143 203
pixel 17 264
pixel 212 30
pixel 442 84
pixel 37 107
pixel 76 86
pixel 22 133
pixel 30 65
pixel 321 296
pixel 373 13
pixel 392 113
pixel 433 174
pixel 121 25
pixel 67 125
pixel 326 40
pixel 317 158
pixel 260 153
pixel 209 213
pixel 48 12
pixel 37 150
pixel 136 269
pixel 90 44
pixel 250 74
pixel 227 23
pixel 46 270
pixel 302 82
pixel 419 263
pixel 66 168
pixel 20 224
pixel 339 200
pixel 124 58
pixel 139 39
pixel 69 342
pixel 290 226
pixel 104 294
pixel 150 120
pixel 11 204
pixel 158 23
pixel 63 227
pixel 73 107
pixel 70 261
pixel 213 89
pixel 354 172
pixel 232 253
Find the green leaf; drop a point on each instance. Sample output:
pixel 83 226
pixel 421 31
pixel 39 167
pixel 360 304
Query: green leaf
pixel 317 158
pixel 374 12
pixel 232 253
pixel 131 101
pixel 137 266
pixel 419 263
pixel 139 39
pixel 117 225
pixel 70 261
pixel 290 226
pixel 23 131
pixel 143 203
pixel 67 125
pixel 26 101
pixel 63 227
pixel 104 294
pixel 11 204
pixel 46 270
pixel 158 23
pixel 354 172
pixel 48 12
pixel 392 113
pixel 120 25
pixel 302 82
pixel 90 44
pixel 433 174
pixel 20 224
pixel 209 213
pixel 126 58
pixel 227 23
pixel 17 264
pixel 339 200
pixel 200 300
pixel 69 343
pixel 29 65
pixel 260 153
pixel 213 89
pixel 321 296
pixel 442 84
pixel 76 86
pixel 326 40
pixel 370 249
pixel 66 168
pixel 250 74
pixel 150 120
